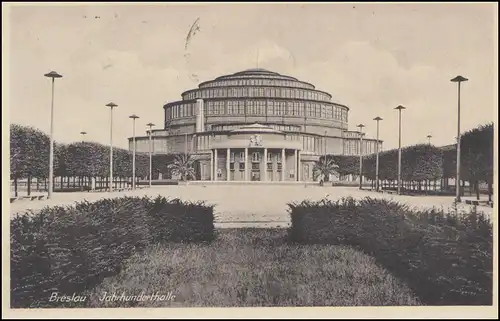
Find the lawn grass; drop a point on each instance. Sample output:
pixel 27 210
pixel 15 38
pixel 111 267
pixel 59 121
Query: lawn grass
pixel 251 268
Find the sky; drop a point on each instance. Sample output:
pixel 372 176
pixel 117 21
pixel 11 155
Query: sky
pixel 371 57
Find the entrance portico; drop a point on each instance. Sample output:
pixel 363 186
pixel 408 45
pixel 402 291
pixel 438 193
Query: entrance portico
pixel 255 153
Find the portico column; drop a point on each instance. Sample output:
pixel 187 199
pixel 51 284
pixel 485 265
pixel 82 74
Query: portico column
pixel 265 164
pixel 246 164
pixel 211 165
pixel 296 167
pixel 227 164
pixel 283 164
pixel 215 162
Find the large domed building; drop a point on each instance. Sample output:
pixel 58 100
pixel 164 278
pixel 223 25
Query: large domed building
pixel 255 125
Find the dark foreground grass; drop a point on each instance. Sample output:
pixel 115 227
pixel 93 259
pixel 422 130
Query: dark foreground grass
pixel 252 267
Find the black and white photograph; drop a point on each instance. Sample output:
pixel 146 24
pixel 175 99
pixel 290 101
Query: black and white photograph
pixel 291 159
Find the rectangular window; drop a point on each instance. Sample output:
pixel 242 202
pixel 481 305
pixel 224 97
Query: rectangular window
pixel 241 107
pixel 261 107
pixel 242 157
pixel 282 107
pixel 255 166
pixel 230 107
pixel 271 107
pixel 255 157
pixel 250 107
pixel 269 166
pixel 242 166
pixel 278 157
pixel 231 166
pixel 210 108
pixel 269 157
pixel 301 109
pixel 231 157
pixel 309 110
pixel 280 167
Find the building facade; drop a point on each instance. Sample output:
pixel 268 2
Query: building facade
pixel 256 125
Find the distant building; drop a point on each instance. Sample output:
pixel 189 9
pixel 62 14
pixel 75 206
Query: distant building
pixel 256 125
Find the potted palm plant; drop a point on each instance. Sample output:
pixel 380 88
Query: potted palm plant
pixel 323 168
pixel 183 166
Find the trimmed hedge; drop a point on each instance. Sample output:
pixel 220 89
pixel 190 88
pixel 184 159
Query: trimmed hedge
pixel 445 258
pixel 71 249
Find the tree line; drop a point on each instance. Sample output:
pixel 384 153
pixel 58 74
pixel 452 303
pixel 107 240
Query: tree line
pixel 425 163
pixel 421 164
pixel 29 158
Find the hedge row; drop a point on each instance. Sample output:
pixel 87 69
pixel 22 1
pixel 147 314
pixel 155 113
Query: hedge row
pixel 71 249
pixel 445 258
pixel 427 162
pixel 29 157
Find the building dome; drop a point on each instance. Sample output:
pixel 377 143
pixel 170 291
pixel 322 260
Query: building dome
pixel 259 95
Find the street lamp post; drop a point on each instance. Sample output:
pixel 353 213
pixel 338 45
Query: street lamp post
pixel 400 108
pixel 111 106
pixel 429 139
pixel 360 155
pixel 83 135
pixel 459 80
pixel 52 75
pixel 185 144
pixel 133 117
pixel 324 139
pixel 378 119
pixel 150 153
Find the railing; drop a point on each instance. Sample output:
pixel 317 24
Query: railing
pixel 67 184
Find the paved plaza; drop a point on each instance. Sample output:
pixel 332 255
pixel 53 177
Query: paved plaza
pixel 246 205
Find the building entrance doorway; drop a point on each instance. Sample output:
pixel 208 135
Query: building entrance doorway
pixel 255 176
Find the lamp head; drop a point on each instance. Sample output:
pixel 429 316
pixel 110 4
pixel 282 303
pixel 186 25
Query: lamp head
pixel 377 118
pixel 360 126
pixel 134 116
pixel 111 104
pixel 400 107
pixel 53 75
pixel 150 124
pixel 83 133
pixel 459 79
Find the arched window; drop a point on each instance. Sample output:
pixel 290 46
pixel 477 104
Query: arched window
pixel 255 157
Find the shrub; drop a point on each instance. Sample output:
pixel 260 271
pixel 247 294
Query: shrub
pixel 179 221
pixel 445 258
pixel 71 249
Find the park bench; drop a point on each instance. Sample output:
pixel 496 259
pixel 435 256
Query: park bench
pixel 13 199
pixel 477 203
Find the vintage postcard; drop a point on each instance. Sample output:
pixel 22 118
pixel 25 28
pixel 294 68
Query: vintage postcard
pixel 300 160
